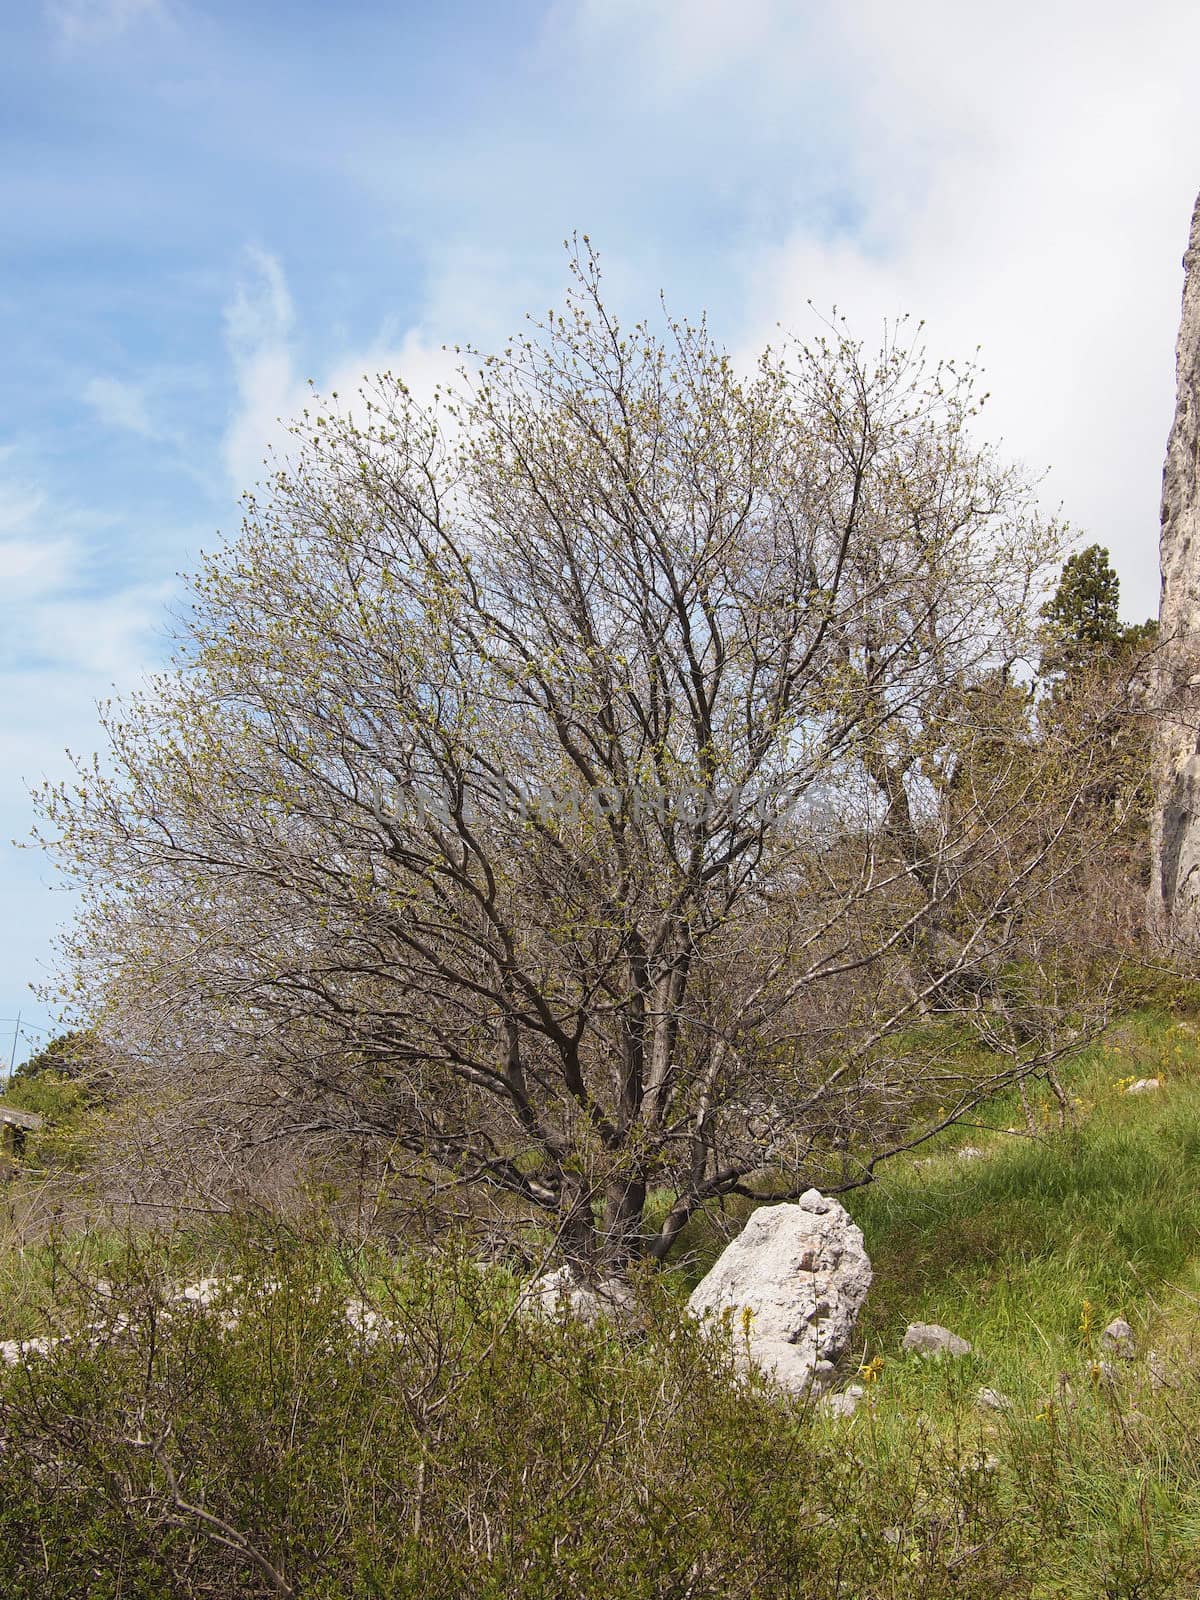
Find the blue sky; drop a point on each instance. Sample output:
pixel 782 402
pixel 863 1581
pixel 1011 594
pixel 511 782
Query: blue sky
pixel 204 204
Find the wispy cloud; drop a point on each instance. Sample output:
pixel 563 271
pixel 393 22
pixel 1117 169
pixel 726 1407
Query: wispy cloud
pixel 30 569
pixel 258 327
pixel 80 22
pixel 123 405
pixel 36 559
pixel 59 606
pixel 270 392
pixel 20 501
pixel 680 43
pixel 68 634
pixel 1022 179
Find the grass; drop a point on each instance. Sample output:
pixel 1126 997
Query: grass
pixel 264 1445
pixel 1008 1248
pixel 1029 1252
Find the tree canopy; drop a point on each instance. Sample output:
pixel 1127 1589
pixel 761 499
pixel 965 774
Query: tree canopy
pixel 1083 615
pixel 581 787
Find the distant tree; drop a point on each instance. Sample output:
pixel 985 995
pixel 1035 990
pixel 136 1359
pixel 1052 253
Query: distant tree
pixel 1083 614
pixel 1090 658
pixel 67 1055
pixel 1082 618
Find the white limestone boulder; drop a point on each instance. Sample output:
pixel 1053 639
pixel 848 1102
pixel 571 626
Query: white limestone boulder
pixel 789 1288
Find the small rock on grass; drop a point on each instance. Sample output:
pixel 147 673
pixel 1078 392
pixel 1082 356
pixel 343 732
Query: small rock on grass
pixel 1117 1339
pixel 13 1351
pixel 563 1293
pixel 369 1324
pixel 929 1340
pixel 992 1400
pixel 845 1402
pixel 204 1293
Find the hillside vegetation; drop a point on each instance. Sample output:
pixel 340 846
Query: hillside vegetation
pixel 325 1418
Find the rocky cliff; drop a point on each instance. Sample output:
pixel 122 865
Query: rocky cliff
pixel 1175 883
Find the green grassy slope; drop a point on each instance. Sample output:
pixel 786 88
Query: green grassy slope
pixel 1009 1247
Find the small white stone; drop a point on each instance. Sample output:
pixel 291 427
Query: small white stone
pixel 204 1292
pixel 993 1400
pixel 929 1340
pixel 1144 1086
pixel 845 1402
pixel 562 1293
pixel 1161 1376
pixel 13 1351
pixel 1117 1339
pixel 370 1324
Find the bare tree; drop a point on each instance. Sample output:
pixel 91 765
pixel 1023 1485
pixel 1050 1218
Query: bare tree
pixel 582 785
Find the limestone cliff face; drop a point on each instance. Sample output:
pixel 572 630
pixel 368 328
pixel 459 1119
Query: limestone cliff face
pixel 1175 884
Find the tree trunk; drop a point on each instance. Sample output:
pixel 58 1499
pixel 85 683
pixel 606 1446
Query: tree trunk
pixel 624 1205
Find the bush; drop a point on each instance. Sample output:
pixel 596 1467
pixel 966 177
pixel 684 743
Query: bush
pixel 262 1440
pixel 69 1114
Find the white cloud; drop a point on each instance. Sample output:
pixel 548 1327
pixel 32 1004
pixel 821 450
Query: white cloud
pixel 1025 178
pixel 34 560
pixel 108 645
pixel 65 641
pixel 121 405
pixel 258 327
pixel 20 504
pixel 31 569
pixel 53 609
pixel 1019 176
pixel 261 312
pixel 269 390
pixel 83 22
pixel 680 42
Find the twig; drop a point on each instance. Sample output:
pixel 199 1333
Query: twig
pixel 220 1531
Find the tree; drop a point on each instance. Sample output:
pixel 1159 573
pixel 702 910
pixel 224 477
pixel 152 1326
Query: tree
pixel 1084 610
pixel 572 787
pixel 1083 616
pixel 1088 653
pixel 66 1055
